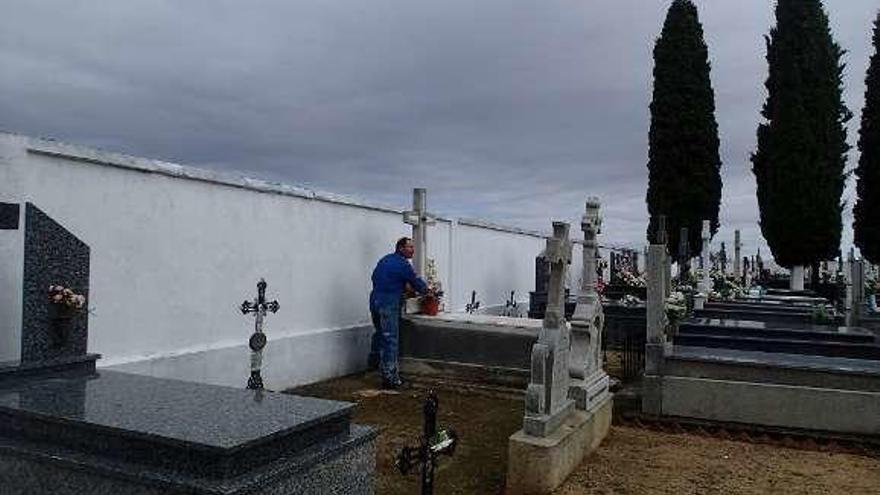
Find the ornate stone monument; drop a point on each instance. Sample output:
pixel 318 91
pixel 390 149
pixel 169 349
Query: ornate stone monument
pixel 547 401
pixel 589 387
pixel 555 435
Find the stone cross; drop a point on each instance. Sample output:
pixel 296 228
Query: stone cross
pixel 257 342
pixel 737 253
pixel 547 403
pixel 420 220
pixel 589 384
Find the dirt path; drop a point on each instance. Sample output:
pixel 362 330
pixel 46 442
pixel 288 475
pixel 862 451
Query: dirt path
pixel 631 460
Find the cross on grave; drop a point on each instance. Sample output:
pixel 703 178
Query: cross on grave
pixel 257 342
pixel 547 403
pixel 420 220
pixel 432 445
pixel 474 304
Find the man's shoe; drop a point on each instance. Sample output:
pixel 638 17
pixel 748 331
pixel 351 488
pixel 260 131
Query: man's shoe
pixel 394 384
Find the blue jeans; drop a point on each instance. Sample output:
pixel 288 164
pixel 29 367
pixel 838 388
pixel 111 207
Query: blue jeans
pixel 384 341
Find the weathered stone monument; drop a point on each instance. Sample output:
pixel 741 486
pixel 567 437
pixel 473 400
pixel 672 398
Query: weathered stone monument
pixel 555 435
pixel 589 386
pixel 704 285
pixel 67 428
pixel 656 323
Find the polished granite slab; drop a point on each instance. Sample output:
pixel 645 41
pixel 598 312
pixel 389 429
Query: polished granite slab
pixel 748 328
pixel 776 359
pixel 183 426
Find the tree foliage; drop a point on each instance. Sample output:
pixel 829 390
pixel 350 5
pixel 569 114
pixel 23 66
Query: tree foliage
pixel 867 208
pixel 684 177
pixel 801 154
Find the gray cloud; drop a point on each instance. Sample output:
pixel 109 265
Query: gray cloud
pixel 510 110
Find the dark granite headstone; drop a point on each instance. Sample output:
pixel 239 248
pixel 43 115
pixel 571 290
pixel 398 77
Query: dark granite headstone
pixel 8 216
pixel 52 256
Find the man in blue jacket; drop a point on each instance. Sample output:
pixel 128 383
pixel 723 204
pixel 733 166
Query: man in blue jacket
pixel 390 277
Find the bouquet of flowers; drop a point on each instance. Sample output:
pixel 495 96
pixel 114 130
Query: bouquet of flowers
pixel 676 307
pixel 631 280
pixel 630 300
pixel 66 297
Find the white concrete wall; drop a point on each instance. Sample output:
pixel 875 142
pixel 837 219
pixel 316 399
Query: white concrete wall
pixel 175 250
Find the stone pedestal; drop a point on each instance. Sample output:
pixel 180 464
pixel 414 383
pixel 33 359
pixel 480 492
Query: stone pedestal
pixel 538 465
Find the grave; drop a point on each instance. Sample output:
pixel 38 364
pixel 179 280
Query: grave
pixel 69 428
pixel 567 404
pixel 761 362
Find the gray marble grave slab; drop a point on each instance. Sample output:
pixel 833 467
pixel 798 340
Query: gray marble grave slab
pixel 186 437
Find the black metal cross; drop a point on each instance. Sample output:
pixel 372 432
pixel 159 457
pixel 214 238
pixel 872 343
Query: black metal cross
pixel 474 304
pixel 432 444
pixel 257 342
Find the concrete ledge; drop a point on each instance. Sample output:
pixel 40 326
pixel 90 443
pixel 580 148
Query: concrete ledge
pixel 539 465
pixel 287 361
pixel 809 408
pixel 497 376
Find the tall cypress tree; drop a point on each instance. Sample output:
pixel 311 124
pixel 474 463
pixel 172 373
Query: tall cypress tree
pixel 684 177
pixel 799 163
pixel 867 209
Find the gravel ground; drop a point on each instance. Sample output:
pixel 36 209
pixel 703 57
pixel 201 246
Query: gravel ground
pixel 630 461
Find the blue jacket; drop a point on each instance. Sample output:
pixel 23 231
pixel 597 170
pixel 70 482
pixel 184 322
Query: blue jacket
pixel 391 274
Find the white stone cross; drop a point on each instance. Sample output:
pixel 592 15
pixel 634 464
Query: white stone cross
pixel 547 402
pixel 420 220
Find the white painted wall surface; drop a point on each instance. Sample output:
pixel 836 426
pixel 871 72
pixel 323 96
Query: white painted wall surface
pixel 175 250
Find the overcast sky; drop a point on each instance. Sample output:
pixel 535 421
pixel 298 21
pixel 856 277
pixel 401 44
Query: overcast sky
pixel 508 110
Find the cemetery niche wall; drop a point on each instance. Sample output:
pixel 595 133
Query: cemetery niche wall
pixel 69 428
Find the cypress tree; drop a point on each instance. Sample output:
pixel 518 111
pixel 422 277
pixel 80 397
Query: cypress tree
pixel 801 154
pixel 867 208
pixel 684 178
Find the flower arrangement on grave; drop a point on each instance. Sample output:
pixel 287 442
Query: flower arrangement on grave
pixel 431 300
pixel 630 300
pixel 65 299
pixel 823 314
pixel 726 287
pixel 632 280
pixel 676 307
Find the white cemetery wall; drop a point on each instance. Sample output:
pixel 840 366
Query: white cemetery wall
pixel 175 250
pixel 11 280
pixel 493 262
